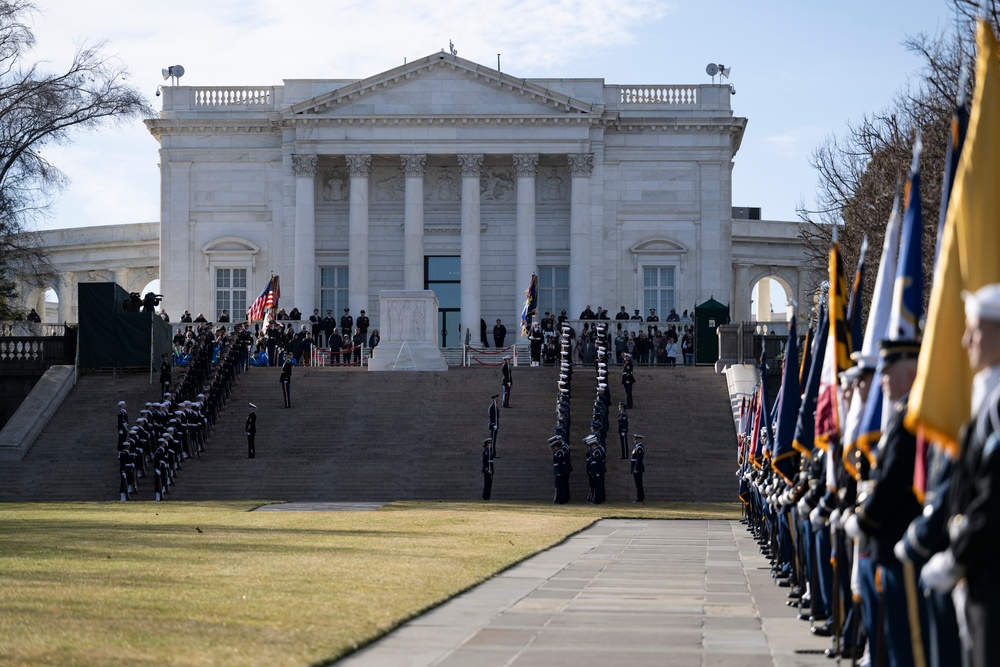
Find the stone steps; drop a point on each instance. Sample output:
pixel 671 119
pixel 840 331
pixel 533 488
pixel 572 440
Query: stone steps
pixel 357 435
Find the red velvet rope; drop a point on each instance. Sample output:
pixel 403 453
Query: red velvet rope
pixel 488 351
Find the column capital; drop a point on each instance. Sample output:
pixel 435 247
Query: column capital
pixel 581 164
pixel 413 165
pixel 526 164
pixel 305 165
pixel 359 165
pixel 472 165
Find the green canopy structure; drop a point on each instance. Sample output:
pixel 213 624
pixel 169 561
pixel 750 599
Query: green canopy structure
pixel 110 337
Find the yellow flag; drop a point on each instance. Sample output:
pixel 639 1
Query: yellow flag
pixel 941 398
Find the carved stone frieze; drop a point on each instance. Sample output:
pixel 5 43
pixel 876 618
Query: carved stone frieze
pixel 359 165
pixel 304 165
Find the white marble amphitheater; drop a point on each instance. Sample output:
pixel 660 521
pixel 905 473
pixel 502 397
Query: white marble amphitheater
pixel 446 175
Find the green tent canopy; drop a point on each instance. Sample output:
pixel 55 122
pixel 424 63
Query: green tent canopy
pixel 113 338
pixel 707 318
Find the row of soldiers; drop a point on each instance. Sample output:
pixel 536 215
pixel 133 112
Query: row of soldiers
pixel 177 428
pixel 891 577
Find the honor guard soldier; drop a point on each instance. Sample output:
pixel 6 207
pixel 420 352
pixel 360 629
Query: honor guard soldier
pixel 164 374
pixel 560 470
pixel 506 381
pixel 885 514
pixel 595 469
pixel 487 469
pixel 638 467
pixel 286 381
pixel 494 415
pixel 251 430
pixel 628 379
pixel 122 424
pixel 970 563
pixel 623 429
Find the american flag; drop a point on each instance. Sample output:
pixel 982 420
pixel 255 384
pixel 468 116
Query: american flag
pixel 267 301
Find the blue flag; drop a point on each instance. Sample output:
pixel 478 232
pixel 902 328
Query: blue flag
pixel 805 427
pixel 783 460
pixel 908 294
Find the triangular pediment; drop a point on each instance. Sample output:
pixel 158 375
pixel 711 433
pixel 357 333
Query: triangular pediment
pixel 441 85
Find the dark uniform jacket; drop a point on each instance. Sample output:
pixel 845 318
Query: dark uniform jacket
pixel 638 453
pixel 891 506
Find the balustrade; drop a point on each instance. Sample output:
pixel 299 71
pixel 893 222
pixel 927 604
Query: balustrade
pixel 658 94
pixel 233 97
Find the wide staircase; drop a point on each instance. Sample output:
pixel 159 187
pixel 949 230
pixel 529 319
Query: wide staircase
pixel 356 435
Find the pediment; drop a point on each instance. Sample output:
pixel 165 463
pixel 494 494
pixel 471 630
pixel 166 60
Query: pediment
pixel 659 246
pixel 441 85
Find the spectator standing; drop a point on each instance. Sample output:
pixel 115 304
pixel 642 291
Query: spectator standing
pixel 548 325
pixel 295 315
pixel 673 316
pixel 34 317
pixel 499 334
pixel 562 319
pixel 687 347
pixel 373 341
pixel 363 323
pixel 358 341
pixel 186 316
pixel 587 313
pixel 622 314
pixel 223 316
pixel 671 351
pixel 334 342
pixel 329 324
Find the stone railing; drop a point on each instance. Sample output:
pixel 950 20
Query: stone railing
pixel 25 353
pixel 658 94
pixel 31 329
pixel 234 96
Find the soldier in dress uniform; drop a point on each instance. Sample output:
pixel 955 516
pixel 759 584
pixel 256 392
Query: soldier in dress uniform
pixel 890 507
pixel 623 429
pixel 494 416
pixel 487 469
pixel 595 469
pixel 286 381
pixel 506 381
pixel 560 471
pixel 638 467
pixel 251 430
pixel 164 374
pixel 969 567
pixel 122 424
pixel 628 379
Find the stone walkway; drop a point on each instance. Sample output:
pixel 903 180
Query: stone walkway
pixel 633 592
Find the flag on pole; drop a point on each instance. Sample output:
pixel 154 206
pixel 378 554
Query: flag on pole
pixel 264 303
pixel 530 304
pixel 941 397
pixel 805 427
pixel 870 429
pixel 837 357
pixel 908 291
pixel 783 459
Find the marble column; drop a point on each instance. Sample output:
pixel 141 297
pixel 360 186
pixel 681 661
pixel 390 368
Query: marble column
pixel 581 167
pixel 124 279
pixel 414 167
pixel 360 167
pixel 471 251
pixel 741 298
pixel 526 167
pixel 65 288
pixel 764 300
pixel 304 168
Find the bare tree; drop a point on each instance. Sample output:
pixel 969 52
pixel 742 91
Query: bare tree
pixel 39 108
pixel 860 172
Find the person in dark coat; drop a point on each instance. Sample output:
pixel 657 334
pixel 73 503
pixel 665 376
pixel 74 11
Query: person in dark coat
pixel 487 469
pixel 887 511
pixel 286 381
pixel 973 553
pixel 494 415
pixel 595 469
pixel 506 381
pixel 164 374
pixel 560 470
pixel 628 380
pixel 638 467
pixel 499 334
pixel 251 431
pixel 623 429
pixel 535 340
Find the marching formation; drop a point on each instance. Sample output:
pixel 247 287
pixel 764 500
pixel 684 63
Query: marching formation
pixel 177 428
pixel 873 482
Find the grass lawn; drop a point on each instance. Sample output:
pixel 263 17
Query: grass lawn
pixel 170 584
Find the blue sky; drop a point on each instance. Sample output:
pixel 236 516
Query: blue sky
pixel 802 70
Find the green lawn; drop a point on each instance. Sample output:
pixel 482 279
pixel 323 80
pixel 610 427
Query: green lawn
pixel 166 584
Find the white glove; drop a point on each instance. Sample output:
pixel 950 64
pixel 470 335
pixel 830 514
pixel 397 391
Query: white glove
pixel 803 508
pixel 900 552
pixel 835 518
pixel 848 513
pixel 816 518
pixel 852 527
pixel 941 572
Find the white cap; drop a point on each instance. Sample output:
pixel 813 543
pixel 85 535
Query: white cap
pixel 121 404
pixel 984 303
